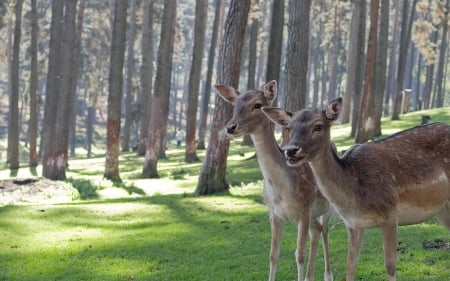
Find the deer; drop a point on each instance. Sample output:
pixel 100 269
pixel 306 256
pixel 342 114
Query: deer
pixel 290 194
pixel 402 179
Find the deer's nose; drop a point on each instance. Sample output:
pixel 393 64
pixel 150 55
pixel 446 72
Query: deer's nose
pixel 290 150
pixel 230 128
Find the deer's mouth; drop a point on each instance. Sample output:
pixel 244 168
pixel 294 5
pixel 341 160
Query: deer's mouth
pixel 296 160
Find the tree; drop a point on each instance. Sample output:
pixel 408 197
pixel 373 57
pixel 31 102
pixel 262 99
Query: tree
pixel 129 80
pixel 160 104
pixel 366 124
pixel 53 74
pixel 442 52
pixel 275 41
pixel 13 118
pixel 115 90
pixel 194 79
pixel 212 175
pixel 33 121
pixel 405 37
pixel 297 49
pixel 218 15
pixel 146 75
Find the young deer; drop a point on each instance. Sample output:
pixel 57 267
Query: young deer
pixel 399 180
pixel 289 193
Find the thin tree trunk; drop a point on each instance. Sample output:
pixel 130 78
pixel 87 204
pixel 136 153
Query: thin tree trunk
pixel 54 69
pixel 160 103
pixel 441 61
pixel 129 80
pixel 146 75
pixel 212 175
pixel 201 13
pixel 273 68
pixel 381 64
pixel 13 118
pixel 33 122
pixel 359 72
pixel 218 15
pixel 366 125
pixel 119 28
pixel 405 37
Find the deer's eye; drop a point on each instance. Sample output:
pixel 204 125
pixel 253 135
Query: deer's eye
pixel 318 128
pixel 257 106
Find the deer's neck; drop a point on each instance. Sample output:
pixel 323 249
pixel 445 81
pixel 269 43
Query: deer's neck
pixel 270 159
pixel 335 183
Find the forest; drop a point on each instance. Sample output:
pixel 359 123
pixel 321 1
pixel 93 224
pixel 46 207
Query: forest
pixel 84 78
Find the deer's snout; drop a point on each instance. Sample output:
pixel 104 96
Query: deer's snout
pixel 290 150
pixel 230 128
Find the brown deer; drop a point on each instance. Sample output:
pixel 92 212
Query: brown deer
pixel 290 194
pixel 399 180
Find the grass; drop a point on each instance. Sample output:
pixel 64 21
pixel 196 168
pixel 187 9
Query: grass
pixel 155 230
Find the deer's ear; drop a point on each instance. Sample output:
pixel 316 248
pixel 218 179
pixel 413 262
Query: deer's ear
pixel 270 91
pixel 228 93
pixel 333 109
pixel 277 115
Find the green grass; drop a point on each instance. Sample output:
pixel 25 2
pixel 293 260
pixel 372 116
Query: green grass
pixel 155 230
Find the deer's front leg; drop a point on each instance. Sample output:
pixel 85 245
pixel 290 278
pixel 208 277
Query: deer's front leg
pixel 275 226
pixel 302 235
pixel 354 246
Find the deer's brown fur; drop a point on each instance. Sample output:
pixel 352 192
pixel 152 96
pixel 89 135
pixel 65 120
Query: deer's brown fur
pixel 290 193
pixel 403 179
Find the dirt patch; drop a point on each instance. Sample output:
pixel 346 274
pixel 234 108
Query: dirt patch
pixel 438 244
pixel 36 191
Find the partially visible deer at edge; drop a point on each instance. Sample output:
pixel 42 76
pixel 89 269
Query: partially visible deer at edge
pixel 399 180
pixel 290 194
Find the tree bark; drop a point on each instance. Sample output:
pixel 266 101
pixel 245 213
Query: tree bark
pixel 201 13
pixel 129 80
pixel 212 175
pixel 160 103
pixel 13 118
pixel 146 75
pixel 53 74
pixel 218 16
pixel 33 121
pixel 366 124
pixel 405 37
pixel 442 60
pixel 275 41
pixel 115 90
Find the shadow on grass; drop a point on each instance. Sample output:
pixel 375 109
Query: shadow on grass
pixel 85 187
pixel 129 188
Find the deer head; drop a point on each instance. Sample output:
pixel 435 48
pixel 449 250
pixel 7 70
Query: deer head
pixel 247 114
pixel 308 130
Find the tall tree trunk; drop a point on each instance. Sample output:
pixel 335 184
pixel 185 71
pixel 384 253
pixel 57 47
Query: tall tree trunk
pixel 64 106
pixel 13 118
pixel 146 75
pixel 366 124
pixel 442 60
pixel 297 50
pixel 212 175
pixel 218 16
pixel 201 13
pixel 405 37
pixel 252 50
pixel 351 62
pixel 33 122
pixel 75 67
pixel 359 71
pixel 381 64
pixel 160 103
pixel 390 91
pixel 119 29
pixel 53 74
pixel 273 68
pixel 129 80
